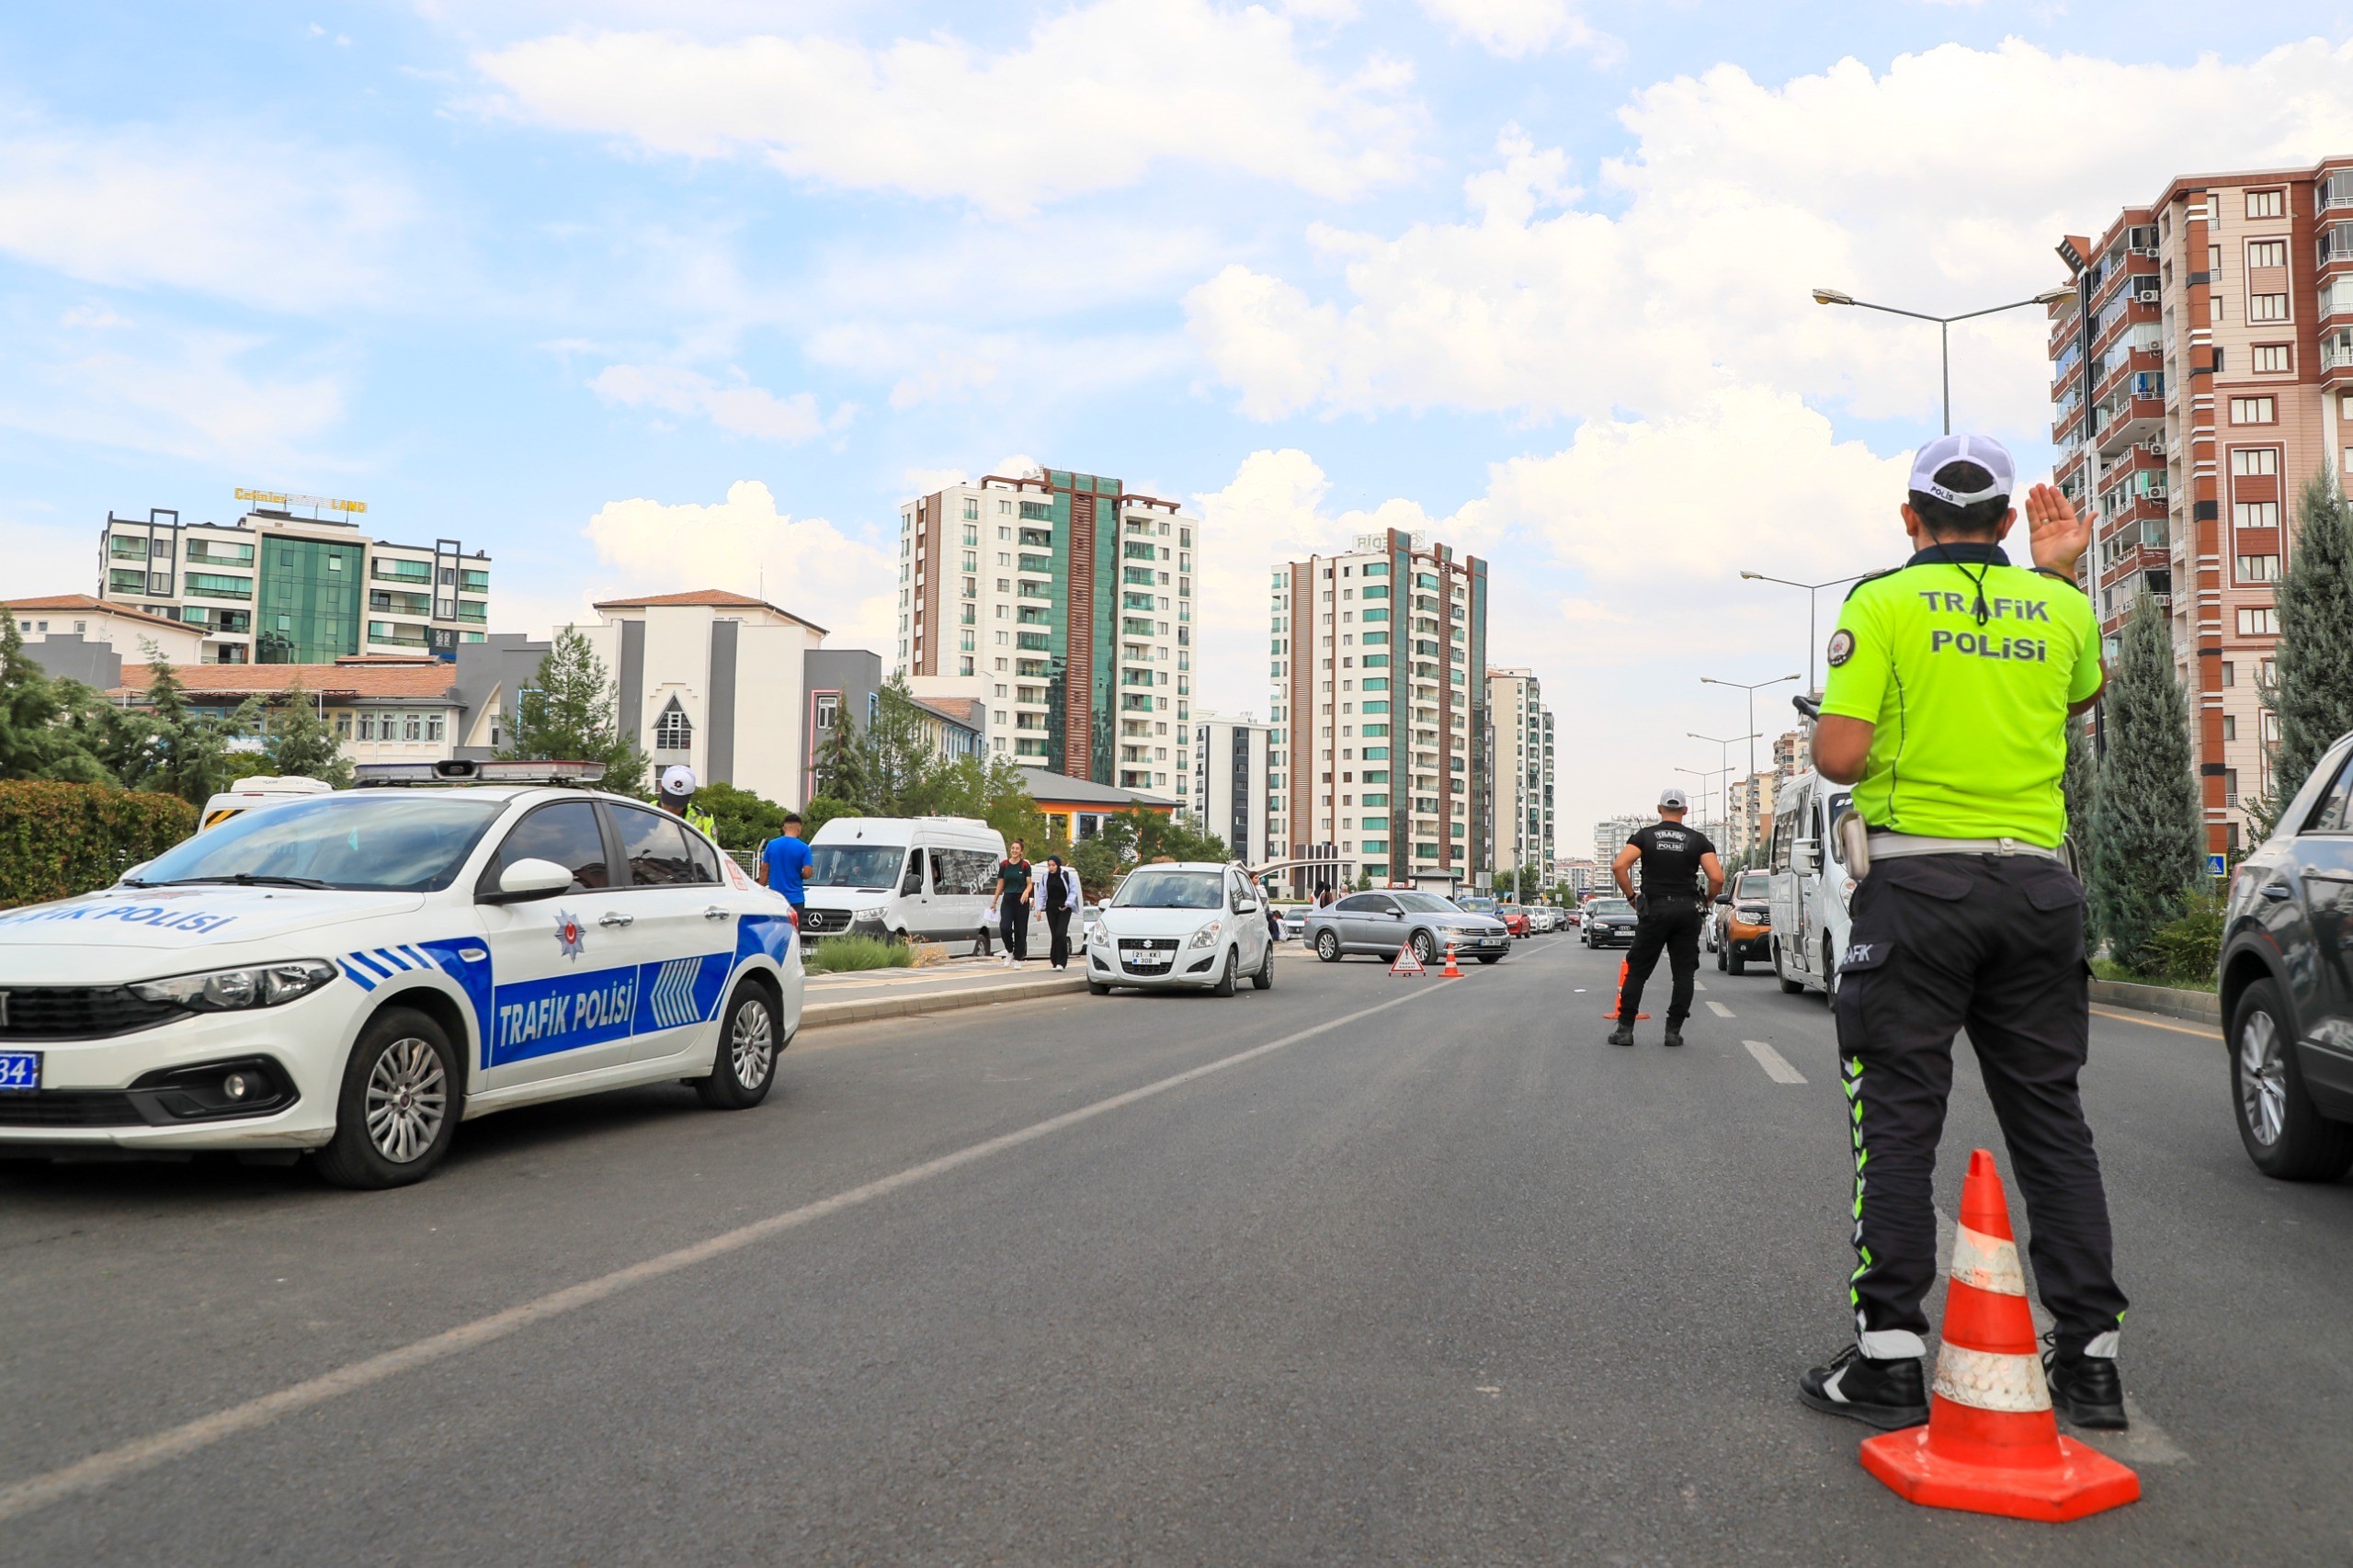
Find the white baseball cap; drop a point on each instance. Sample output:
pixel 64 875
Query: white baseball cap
pixel 1984 450
pixel 1672 800
pixel 678 780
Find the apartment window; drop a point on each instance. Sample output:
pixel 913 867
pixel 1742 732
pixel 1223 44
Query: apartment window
pixel 2230 673
pixel 2255 514
pixel 2255 411
pixel 972 507
pixel 2266 204
pixel 2230 785
pixel 2267 253
pixel 2273 358
pixel 2267 307
pixel 2248 462
pixel 672 731
pixel 2258 568
pixel 2264 622
pixel 2229 727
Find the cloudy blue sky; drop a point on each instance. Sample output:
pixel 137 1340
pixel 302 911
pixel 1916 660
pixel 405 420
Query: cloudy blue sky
pixel 669 293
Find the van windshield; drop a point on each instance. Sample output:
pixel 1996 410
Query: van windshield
pixel 874 868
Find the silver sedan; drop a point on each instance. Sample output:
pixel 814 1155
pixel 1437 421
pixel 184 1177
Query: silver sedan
pixel 1381 922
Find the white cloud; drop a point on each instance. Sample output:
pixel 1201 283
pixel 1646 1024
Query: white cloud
pixel 736 405
pixel 240 215
pixel 1517 27
pixel 1940 184
pixel 1094 98
pixel 744 544
pixel 197 394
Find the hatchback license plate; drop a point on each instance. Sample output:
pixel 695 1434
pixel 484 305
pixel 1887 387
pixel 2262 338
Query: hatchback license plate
pixel 20 1072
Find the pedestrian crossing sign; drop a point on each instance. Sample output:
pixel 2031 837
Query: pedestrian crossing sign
pixel 1406 962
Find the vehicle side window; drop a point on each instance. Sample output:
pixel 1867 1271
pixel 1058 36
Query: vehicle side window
pixel 911 880
pixel 566 833
pixel 655 847
pixel 944 878
pixel 2330 815
pixel 970 871
pixel 706 858
pixel 1357 904
pixel 1380 905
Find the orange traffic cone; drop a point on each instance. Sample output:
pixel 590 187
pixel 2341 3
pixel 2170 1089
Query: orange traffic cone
pixel 1624 966
pixel 1991 1445
pixel 1450 971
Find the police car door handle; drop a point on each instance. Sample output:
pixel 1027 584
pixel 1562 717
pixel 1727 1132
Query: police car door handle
pixel 714 912
pixel 615 917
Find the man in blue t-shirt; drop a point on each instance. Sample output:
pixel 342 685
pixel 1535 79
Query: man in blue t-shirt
pixel 782 863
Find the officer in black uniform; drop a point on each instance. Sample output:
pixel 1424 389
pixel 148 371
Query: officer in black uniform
pixel 1671 907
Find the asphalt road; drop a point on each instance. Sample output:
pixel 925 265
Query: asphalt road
pixel 1449 1281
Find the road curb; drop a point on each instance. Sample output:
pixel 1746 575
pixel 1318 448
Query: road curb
pixel 2198 1006
pixel 818 1015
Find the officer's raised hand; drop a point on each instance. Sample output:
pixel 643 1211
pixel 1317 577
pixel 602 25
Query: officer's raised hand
pixel 2057 536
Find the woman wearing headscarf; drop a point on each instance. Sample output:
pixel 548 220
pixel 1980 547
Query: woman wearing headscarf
pixel 1058 895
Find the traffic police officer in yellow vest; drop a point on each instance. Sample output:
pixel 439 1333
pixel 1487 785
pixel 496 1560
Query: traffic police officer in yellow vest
pixel 1952 680
pixel 677 796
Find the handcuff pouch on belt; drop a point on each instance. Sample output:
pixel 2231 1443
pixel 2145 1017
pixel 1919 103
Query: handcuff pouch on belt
pixel 1854 842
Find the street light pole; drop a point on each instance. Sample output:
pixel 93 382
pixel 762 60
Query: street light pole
pixel 1811 590
pixel 1723 759
pixel 1752 691
pixel 1944 324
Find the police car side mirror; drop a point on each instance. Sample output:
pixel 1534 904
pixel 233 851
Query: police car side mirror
pixel 527 880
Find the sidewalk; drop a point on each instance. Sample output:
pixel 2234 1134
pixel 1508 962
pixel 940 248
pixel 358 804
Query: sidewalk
pixel 863 994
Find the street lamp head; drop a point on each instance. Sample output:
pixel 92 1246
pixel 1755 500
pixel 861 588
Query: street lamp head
pixel 2053 296
pixel 1752 576
pixel 1831 297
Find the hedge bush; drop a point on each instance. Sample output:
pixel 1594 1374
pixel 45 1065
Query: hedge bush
pixel 59 839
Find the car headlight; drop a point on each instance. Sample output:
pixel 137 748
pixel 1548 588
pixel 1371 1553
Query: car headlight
pixel 867 917
pixel 228 990
pixel 1206 937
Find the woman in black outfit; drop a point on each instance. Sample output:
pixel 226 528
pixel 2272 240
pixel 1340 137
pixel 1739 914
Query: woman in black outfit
pixel 1054 897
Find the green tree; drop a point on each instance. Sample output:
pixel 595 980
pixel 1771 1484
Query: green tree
pixel 841 761
pixel 899 764
pixel 2311 690
pixel 180 751
pixel 301 743
pixel 2147 847
pixel 36 739
pixel 823 809
pixel 571 713
pixel 745 820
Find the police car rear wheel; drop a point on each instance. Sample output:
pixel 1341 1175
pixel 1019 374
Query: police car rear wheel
pixel 398 1108
pixel 744 1064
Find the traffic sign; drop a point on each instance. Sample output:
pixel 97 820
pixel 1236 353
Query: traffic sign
pixel 2218 866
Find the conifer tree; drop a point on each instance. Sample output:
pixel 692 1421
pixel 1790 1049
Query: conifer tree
pixel 2311 691
pixel 301 743
pixel 841 761
pixel 2147 845
pixel 570 713
pixel 33 742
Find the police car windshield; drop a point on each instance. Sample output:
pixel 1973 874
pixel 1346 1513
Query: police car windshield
pixel 1170 889
pixel 370 842
pixel 873 867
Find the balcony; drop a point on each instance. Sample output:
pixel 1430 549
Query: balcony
pixel 2336 245
pixel 2337 355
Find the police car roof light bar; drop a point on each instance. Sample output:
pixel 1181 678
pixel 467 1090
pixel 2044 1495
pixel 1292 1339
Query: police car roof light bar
pixel 460 770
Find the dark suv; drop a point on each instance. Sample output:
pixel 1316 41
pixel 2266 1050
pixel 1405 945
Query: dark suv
pixel 2287 982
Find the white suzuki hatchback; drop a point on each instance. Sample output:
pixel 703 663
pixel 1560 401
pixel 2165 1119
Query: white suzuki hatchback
pixel 1180 923
pixel 353 975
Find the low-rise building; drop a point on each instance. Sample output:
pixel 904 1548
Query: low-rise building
pixel 382 709
pixel 1075 807
pixel 128 633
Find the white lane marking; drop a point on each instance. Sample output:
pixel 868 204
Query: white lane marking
pixel 1776 1065
pixel 129 1458
pixel 1698 985
pixel 2145 1442
pixel 1718 1008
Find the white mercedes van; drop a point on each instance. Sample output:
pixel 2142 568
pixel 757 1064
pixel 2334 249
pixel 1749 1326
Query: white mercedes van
pixel 1812 890
pixel 907 878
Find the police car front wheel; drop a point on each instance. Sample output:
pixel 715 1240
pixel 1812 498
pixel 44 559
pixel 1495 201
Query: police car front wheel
pixel 398 1107
pixel 744 1063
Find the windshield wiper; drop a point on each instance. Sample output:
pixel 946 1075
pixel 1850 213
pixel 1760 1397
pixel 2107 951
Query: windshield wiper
pixel 245 879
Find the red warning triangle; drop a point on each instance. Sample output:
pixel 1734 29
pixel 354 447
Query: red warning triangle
pixel 1406 962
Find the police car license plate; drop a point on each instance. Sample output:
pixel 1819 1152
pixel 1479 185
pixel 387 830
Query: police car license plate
pixel 20 1072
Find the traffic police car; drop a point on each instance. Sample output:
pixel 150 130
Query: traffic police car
pixel 354 973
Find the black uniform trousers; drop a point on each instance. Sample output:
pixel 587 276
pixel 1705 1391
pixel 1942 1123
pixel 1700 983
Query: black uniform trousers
pixel 1670 923
pixel 1994 943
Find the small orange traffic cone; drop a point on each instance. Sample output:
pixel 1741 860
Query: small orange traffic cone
pixel 1624 966
pixel 1450 971
pixel 1991 1445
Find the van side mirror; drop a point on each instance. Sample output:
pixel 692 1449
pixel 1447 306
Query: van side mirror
pixel 1805 856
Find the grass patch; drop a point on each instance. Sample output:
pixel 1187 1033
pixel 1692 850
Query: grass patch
pixel 840 955
pixel 2108 969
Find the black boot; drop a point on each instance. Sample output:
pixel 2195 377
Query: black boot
pixel 1886 1394
pixel 1673 1033
pixel 1622 1035
pixel 2087 1390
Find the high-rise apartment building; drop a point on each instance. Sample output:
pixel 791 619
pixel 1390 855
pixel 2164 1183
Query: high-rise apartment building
pixel 2203 371
pixel 1522 774
pixel 1379 660
pixel 1233 759
pixel 273 588
pixel 1064 603
pixel 1609 836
